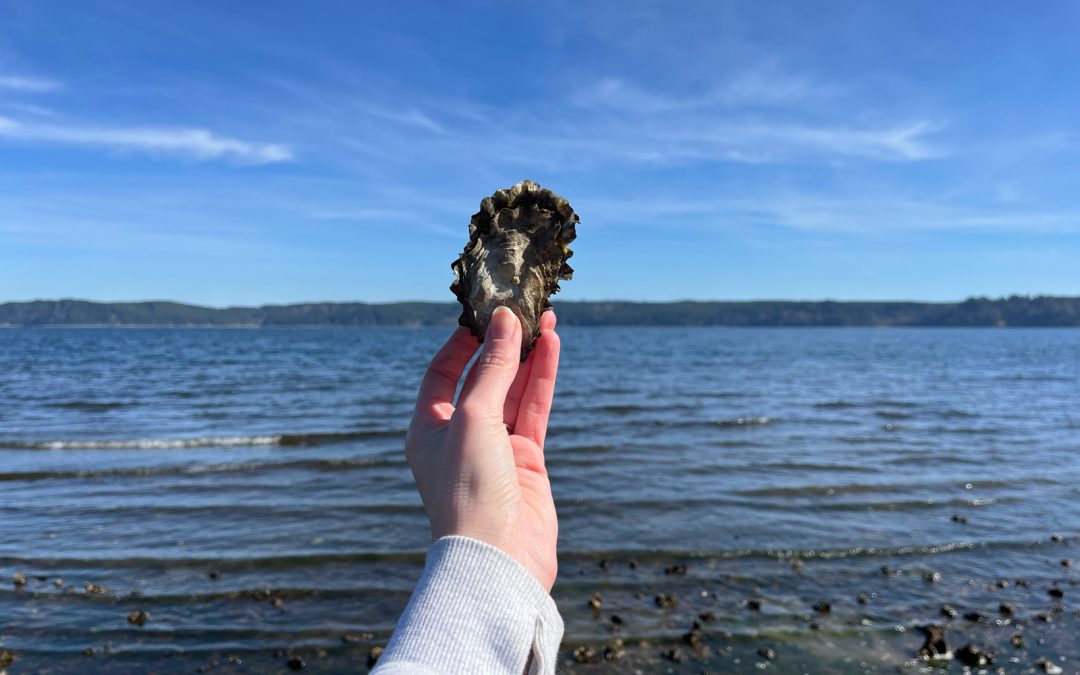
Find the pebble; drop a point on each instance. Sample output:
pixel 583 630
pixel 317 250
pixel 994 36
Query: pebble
pixel 89 651
pixel 693 638
pixel 973 657
pixel 935 647
pixel 1017 640
pixel 676 570
pixel 766 653
pixel 948 611
pixel 1057 538
pixel 754 604
pixel 977 617
pixel 19 579
pixel 585 655
pixel 707 617
pixel 1002 583
pixel 672 654
pixel 596 602
pixel 932 577
pixel 960 519
pixel 214 574
pixel 373 655
pixel 6 658
pixel 1006 609
pixel 1056 593
pixel 616 620
pixel 138 617
pixel 863 599
pixel 296 663
pixel 823 606
pixel 277 603
pixel 352 638
pixel 1048 666
pixel 664 601
pixel 614 651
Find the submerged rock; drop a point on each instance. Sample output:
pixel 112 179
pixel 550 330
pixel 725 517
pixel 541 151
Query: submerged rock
pixel 585 654
pixel 935 647
pixel 973 657
pixel 665 601
pixel 672 654
pixel 138 617
pixel 519 242
pixel 373 655
pixel 596 602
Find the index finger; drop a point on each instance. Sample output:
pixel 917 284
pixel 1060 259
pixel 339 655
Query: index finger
pixel 434 403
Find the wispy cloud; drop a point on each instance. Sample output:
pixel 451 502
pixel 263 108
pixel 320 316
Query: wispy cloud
pixel 841 215
pixel 28 84
pixel 198 144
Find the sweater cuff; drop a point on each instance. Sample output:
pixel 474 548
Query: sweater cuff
pixel 475 610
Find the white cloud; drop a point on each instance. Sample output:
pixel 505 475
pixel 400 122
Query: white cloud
pixel 197 144
pixel 30 84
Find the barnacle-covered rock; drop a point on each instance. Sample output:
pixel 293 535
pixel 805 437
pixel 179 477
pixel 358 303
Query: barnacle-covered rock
pixel 519 243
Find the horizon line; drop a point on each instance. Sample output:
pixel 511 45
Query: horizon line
pixel 566 301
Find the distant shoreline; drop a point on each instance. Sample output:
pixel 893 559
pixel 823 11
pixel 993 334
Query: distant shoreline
pixel 1014 311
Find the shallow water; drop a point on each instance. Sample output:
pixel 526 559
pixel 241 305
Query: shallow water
pixel 141 460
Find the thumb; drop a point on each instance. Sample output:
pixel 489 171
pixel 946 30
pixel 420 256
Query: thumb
pixel 497 365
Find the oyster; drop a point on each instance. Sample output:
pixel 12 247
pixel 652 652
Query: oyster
pixel 519 243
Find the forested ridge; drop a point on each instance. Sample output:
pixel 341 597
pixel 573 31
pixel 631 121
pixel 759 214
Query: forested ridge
pixel 1010 311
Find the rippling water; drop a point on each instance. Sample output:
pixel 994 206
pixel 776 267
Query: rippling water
pixel 248 489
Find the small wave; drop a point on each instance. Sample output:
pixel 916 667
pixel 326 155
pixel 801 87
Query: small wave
pixel 860 488
pixel 91 406
pixel 893 415
pixel 167 599
pixel 291 440
pixel 215 562
pixel 1035 377
pixel 143 443
pixel 745 421
pixel 836 405
pixel 329 465
pixel 841 404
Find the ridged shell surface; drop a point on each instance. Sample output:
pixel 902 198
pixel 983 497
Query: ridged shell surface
pixel 519 243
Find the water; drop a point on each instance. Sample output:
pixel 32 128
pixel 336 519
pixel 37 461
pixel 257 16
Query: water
pixel 142 461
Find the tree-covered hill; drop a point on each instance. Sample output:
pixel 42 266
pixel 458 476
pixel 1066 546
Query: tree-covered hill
pixel 1011 311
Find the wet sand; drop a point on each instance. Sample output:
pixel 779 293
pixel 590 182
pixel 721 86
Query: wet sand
pixel 659 614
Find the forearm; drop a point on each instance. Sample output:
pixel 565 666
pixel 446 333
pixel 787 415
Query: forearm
pixel 474 610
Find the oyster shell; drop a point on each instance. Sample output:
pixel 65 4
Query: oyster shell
pixel 519 243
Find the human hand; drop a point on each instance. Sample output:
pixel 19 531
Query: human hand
pixel 479 465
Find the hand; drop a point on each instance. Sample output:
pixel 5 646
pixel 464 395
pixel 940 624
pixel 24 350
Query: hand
pixel 480 465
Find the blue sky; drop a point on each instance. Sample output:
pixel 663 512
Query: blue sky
pixel 238 153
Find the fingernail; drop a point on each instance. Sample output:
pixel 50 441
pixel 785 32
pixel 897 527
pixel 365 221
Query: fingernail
pixel 502 324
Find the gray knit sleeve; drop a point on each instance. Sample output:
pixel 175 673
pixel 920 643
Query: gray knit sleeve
pixel 474 610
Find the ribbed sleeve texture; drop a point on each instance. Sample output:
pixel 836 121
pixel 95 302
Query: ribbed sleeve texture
pixel 474 610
